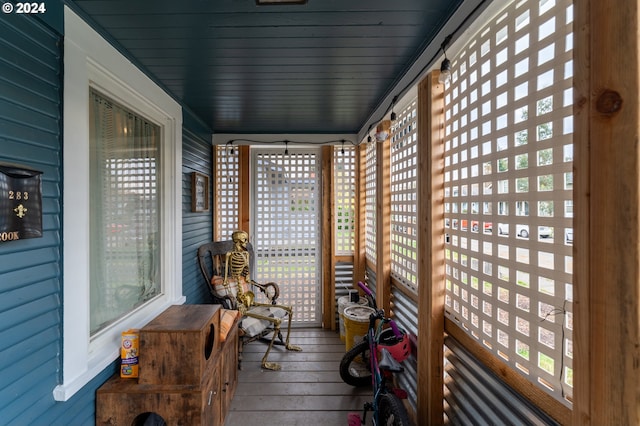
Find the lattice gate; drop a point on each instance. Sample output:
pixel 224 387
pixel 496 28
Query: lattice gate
pixel 286 228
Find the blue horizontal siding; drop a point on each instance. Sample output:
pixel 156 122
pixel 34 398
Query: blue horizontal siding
pixel 22 117
pixel 197 228
pixel 24 269
pixel 24 134
pixel 30 270
pixel 13 93
pixel 20 297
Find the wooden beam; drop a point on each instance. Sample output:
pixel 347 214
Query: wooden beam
pixel 244 209
pixel 606 225
pixel 344 258
pixel 431 266
pixel 581 203
pixel 383 219
pixel 328 239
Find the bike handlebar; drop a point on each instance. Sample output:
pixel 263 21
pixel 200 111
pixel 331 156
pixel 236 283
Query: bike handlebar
pixel 379 314
pixel 364 288
pixel 396 330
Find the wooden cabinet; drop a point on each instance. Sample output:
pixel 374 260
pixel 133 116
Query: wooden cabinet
pixel 187 376
pixel 229 371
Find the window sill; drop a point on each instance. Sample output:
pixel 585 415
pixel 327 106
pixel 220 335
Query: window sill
pixel 101 360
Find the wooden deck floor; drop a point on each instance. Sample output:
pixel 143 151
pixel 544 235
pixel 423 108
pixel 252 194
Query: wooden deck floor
pixel 306 391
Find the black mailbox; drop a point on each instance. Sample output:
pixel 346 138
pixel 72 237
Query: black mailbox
pixel 20 202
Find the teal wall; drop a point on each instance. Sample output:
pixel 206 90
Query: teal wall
pixel 31 305
pixel 197 228
pixel 30 269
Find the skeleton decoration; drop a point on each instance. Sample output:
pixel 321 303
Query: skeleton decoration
pixel 237 270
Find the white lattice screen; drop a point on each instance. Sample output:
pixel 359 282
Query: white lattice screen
pixel 370 202
pixel 344 179
pixel 404 196
pixel 226 192
pixel 286 236
pixel 508 191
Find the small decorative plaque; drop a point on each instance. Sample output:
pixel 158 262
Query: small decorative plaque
pixel 20 202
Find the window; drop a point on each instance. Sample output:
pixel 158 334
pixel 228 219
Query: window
pixel 508 130
pixel 140 192
pixel 124 236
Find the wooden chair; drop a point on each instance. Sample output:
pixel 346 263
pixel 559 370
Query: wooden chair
pixel 212 261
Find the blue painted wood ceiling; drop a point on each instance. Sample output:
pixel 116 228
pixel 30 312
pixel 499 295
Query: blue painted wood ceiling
pixel 322 67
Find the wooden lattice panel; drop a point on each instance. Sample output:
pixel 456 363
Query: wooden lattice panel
pixel 227 190
pixel 287 238
pixel 344 196
pixel 404 196
pixel 508 191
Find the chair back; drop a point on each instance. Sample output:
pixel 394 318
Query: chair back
pixel 212 258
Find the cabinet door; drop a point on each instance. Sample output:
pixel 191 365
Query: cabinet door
pixel 212 398
pixel 229 369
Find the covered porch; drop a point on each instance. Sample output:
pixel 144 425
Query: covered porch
pixel 308 389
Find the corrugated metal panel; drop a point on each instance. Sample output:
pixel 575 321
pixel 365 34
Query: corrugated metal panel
pixel 370 279
pixel 405 313
pixel 344 282
pixel 475 396
pixel 197 228
pixel 30 270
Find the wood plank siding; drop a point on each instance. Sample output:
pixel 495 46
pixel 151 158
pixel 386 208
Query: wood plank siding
pixel 307 390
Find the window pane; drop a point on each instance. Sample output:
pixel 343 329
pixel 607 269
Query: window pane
pixel 124 205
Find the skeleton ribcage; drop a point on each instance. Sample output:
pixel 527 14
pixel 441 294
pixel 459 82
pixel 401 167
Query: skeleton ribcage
pixel 239 264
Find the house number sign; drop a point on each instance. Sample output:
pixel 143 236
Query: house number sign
pixel 20 203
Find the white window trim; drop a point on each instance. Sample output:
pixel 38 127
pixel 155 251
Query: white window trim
pixel 90 61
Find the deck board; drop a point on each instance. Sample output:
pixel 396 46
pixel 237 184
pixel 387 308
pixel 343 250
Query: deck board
pixel 306 391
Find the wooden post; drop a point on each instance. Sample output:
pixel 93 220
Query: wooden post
pixel 607 184
pixel 383 219
pixel 244 209
pixel 431 289
pixel 328 239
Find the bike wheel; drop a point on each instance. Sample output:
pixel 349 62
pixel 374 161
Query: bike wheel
pixel 355 367
pixel 391 411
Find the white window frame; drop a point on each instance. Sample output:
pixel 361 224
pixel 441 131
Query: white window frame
pixel 90 61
